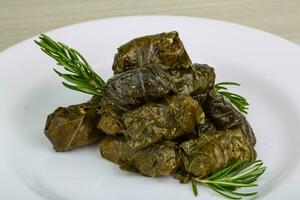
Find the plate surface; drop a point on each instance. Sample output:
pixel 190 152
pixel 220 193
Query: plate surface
pixel 266 66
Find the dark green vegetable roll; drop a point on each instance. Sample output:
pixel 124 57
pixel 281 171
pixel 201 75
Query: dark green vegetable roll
pixel 210 153
pixel 157 160
pixel 74 126
pixel 154 122
pixel 225 116
pixel 163 48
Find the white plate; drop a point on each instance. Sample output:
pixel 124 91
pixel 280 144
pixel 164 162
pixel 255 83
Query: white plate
pixel 266 66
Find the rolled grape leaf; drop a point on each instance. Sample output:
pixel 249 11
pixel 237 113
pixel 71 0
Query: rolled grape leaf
pixel 150 83
pixel 158 160
pixel 163 48
pixel 210 153
pixel 225 116
pixel 154 122
pixel 74 126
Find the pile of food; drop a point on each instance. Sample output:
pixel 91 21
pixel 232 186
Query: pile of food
pixel 158 115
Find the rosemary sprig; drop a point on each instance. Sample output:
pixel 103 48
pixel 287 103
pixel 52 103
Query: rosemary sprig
pixel 81 75
pixel 228 180
pixel 240 102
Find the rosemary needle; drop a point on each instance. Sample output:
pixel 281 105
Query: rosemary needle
pixel 195 189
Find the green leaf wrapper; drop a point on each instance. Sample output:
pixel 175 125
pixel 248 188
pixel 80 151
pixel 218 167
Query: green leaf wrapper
pixel 163 48
pixel 74 126
pixel 210 153
pixel 154 122
pixel 161 159
pixel 225 116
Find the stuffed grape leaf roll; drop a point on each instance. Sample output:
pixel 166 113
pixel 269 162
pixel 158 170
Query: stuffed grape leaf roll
pixel 74 126
pixel 163 48
pixel 154 122
pixel 210 153
pixel 152 82
pixel 161 159
pixel 225 116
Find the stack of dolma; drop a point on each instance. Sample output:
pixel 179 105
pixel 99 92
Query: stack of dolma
pixel 160 115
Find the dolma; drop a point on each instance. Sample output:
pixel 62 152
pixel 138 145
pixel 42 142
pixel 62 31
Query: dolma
pixel 210 153
pixel 74 126
pixel 161 159
pixel 225 116
pixel 150 83
pixel 163 48
pixel 154 122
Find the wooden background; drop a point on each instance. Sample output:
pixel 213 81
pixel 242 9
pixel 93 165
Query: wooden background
pixel 20 19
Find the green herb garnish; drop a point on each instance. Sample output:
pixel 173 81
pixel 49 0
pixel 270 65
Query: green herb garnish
pixel 81 75
pixel 240 102
pixel 228 180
